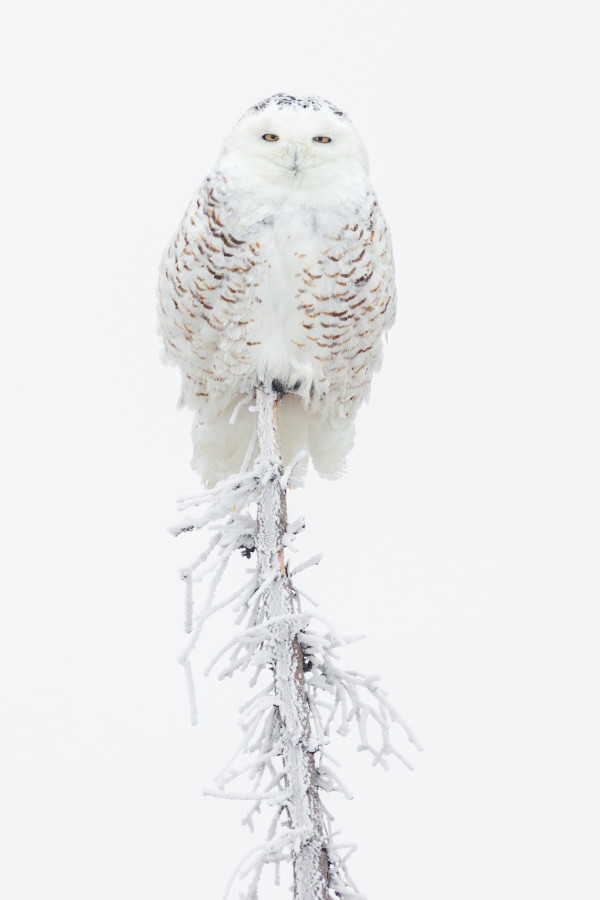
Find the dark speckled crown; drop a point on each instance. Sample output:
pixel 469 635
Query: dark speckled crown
pixel 282 101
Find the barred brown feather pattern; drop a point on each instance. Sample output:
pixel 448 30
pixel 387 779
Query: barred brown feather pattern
pixel 207 298
pixel 348 298
pixel 214 281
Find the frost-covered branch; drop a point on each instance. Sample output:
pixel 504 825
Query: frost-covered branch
pixel 302 694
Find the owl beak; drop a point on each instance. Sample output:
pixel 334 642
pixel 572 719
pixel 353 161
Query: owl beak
pixel 294 165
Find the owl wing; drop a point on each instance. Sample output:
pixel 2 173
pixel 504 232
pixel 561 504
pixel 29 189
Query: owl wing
pixel 349 301
pixel 207 287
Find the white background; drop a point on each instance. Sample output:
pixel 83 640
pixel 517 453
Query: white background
pixel 463 541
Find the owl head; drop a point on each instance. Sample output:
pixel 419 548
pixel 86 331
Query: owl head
pixel 296 151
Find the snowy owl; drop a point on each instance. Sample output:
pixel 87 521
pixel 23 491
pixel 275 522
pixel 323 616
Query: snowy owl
pixel 280 272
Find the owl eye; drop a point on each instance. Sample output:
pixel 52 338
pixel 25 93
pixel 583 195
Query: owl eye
pixel 321 139
pixel 270 137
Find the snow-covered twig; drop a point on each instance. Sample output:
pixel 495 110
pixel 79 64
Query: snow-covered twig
pixel 302 697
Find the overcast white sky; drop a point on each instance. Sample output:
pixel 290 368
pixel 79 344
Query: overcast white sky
pixel 464 540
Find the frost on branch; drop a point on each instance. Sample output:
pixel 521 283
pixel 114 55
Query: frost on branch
pixel 302 694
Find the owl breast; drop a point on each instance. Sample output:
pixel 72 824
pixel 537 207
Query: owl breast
pixel 283 352
pixel 297 295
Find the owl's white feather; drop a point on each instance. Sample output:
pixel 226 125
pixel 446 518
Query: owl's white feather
pixel 281 270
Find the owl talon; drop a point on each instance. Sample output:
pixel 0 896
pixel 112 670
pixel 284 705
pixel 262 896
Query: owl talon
pixel 281 388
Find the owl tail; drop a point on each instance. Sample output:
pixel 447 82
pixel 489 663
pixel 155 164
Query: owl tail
pixel 330 440
pixel 221 446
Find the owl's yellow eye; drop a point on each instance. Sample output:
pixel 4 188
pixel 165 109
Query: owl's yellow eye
pixel 270 137
pixel 321 139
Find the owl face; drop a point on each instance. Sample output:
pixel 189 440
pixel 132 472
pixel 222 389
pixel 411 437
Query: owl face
pixel 288 149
